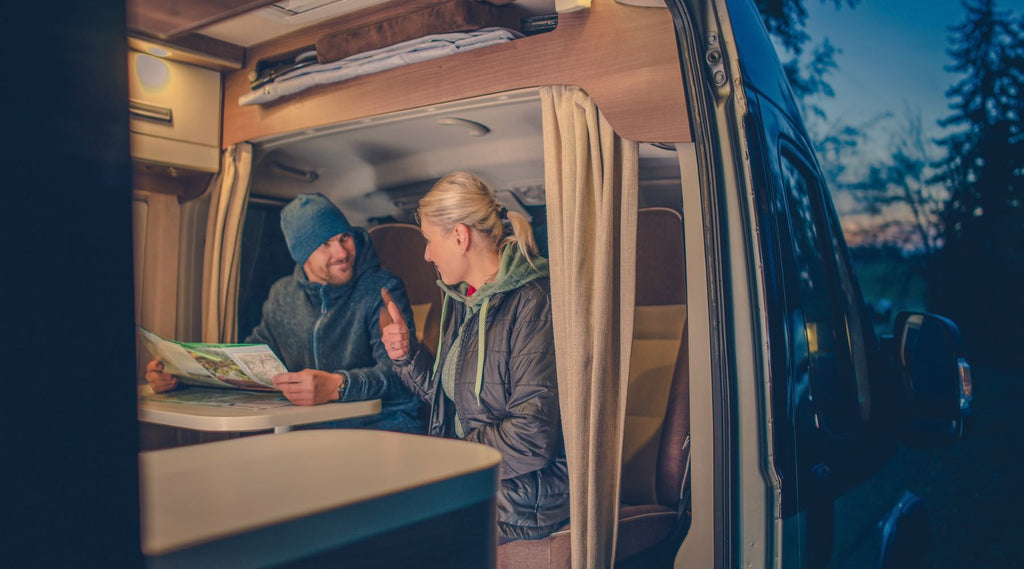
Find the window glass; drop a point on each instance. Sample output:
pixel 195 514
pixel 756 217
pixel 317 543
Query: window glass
pixel 824 349
pixel 264 259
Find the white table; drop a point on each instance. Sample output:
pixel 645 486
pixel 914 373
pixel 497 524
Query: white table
pixel 266 501
pixel 281 419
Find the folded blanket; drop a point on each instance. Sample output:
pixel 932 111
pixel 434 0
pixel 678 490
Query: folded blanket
pixel 412 51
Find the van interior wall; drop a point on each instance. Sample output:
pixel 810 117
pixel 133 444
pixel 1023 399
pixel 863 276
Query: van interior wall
pixel 168 235
pixel 191 241
pixel 156 220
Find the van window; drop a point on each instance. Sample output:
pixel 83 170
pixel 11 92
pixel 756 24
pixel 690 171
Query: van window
pixel 824 352
pixel 264 259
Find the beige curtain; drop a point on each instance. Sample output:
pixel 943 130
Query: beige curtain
pixel 590 176
pixel 229 193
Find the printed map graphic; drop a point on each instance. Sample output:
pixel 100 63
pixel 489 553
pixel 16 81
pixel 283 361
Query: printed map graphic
pixel 263 365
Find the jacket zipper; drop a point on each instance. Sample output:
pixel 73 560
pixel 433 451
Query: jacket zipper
pixel 316 327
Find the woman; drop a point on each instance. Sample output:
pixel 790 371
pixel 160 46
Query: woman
pixel 493 380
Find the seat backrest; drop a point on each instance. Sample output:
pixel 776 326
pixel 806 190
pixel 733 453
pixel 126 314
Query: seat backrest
pixel 673 454
pixel 400 248
pixel 657 412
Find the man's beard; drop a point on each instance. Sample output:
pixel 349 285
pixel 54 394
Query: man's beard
pixel 337 276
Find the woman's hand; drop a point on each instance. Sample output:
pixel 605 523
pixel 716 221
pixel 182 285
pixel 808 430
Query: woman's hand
pixel 393 330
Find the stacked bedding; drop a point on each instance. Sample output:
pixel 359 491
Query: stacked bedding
pixel 404 53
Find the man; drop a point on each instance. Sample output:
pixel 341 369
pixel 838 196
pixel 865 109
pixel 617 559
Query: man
pixel 323 320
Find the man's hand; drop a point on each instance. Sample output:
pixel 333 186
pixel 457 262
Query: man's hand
pixel 309 386
pixel 394 333
pixel 157 379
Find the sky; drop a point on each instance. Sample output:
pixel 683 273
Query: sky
pixel 893 54
pixel 892 58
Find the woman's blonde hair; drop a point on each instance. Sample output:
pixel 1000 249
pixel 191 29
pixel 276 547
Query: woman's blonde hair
pixel 463 197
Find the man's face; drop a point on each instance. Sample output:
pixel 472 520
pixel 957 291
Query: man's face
pixel 333 261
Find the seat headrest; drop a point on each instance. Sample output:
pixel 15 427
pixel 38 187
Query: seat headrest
pixel 400 248
pixel 659 257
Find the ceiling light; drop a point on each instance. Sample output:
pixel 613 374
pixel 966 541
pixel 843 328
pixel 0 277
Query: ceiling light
pixel 473 128
pixel 153 73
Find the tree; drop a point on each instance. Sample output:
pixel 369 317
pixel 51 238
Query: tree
pixel 982 263
pixel 900 192
pixel 786 22
pixel 836 141
pixel 891 207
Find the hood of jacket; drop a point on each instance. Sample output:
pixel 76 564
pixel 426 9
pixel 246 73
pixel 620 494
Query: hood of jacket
pixel 514 270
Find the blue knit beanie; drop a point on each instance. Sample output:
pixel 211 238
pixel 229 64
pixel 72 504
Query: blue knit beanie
pixel 309 221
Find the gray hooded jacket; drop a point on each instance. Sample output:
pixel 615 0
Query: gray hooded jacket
pixel 336 329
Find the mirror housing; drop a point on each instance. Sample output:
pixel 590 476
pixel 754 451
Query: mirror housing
pixel 933 380
pixel 906 536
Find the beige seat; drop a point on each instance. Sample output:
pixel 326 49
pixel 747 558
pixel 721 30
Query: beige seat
pixel 655 468
pixel 400 248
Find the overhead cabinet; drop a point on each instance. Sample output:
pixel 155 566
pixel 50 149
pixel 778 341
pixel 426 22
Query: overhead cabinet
pixel 175 113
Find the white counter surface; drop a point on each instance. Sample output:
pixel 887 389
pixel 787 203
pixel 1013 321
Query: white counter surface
pixel 258 501
pixel 200 417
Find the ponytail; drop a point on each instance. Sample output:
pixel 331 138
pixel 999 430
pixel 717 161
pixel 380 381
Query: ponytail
pixel 462 197
pixel 521 234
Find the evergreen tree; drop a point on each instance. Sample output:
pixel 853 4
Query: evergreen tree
pixel 982 263
pixel 786 21
pixel 807 69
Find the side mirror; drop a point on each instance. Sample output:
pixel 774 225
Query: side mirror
pixel 933 380
pixel 906 535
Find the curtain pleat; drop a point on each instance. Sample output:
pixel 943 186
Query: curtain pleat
pixel 590 176
pixel 228 198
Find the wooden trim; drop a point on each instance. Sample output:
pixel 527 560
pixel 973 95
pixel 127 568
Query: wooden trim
pixel 625 57
pixel 194 49
pixel 167 20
